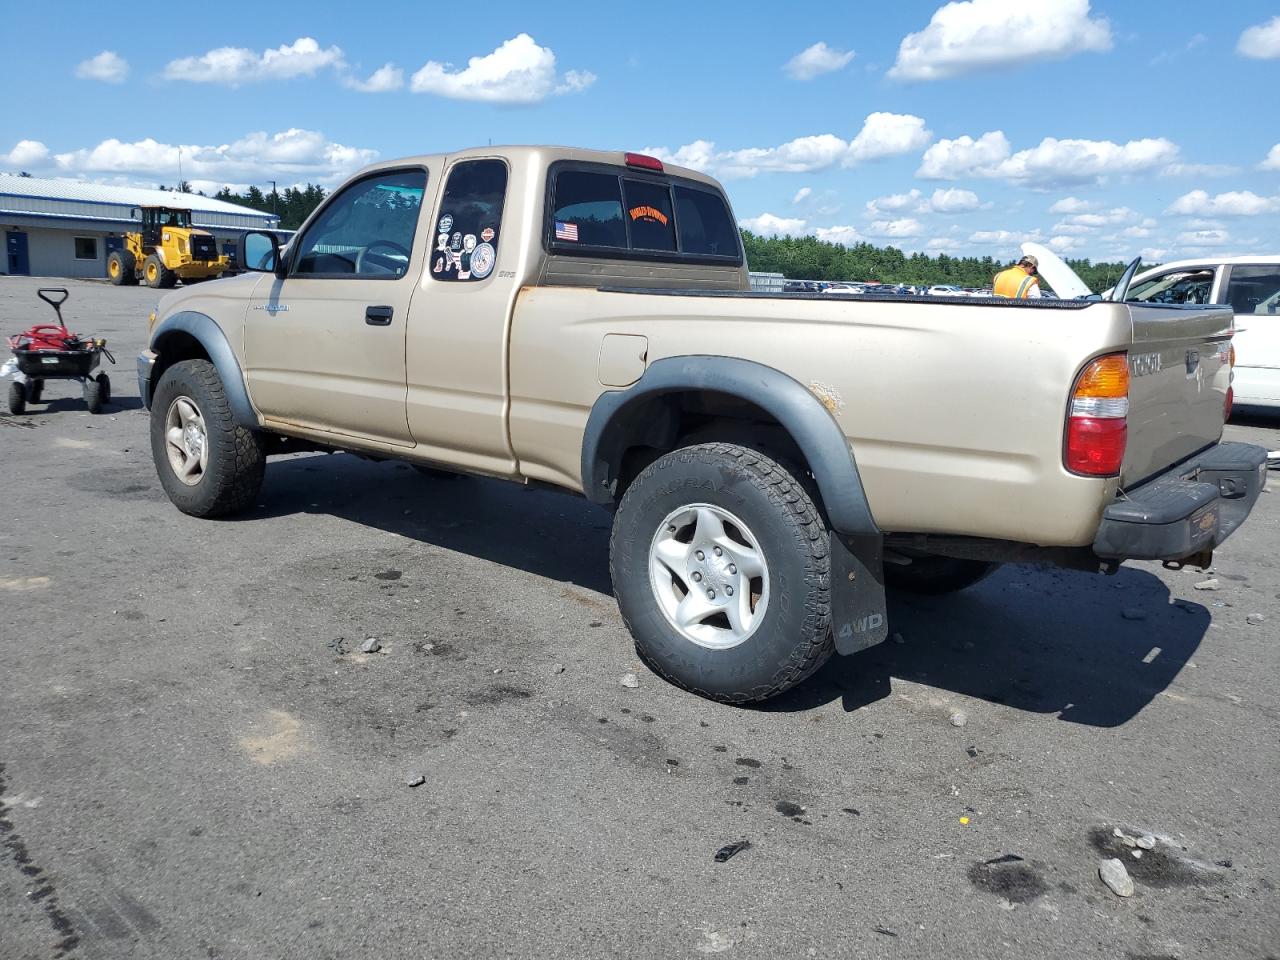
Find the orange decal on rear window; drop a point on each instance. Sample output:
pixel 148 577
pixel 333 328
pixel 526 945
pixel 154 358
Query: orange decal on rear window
pixel 651 214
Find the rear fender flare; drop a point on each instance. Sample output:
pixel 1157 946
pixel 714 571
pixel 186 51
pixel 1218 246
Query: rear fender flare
pixel 210 336
pixel 614 423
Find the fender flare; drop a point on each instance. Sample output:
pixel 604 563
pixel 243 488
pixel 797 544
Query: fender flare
pixel 210 336
pixel 610 430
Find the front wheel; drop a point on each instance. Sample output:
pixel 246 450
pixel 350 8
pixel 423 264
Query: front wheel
pixel 17 398
pixel 721 566
pixel 208 465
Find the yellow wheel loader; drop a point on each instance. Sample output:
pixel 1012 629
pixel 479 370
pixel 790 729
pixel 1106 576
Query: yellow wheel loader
pixel 166 250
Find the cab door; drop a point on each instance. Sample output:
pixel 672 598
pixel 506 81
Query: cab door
pixel 325 346
pixel 1253 292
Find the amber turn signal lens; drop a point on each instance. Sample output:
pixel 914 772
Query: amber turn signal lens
pixel 1105 377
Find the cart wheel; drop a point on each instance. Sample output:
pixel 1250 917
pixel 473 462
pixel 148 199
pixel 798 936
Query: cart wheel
pixel 17 397
pixel 35 390
pixel 93 395
pixel 104 386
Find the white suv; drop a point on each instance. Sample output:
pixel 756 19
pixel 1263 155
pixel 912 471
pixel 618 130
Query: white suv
pixel 1251 285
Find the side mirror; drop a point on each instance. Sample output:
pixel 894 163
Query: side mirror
pixel 261 252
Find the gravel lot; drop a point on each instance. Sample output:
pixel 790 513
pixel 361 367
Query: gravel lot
pixel 196 758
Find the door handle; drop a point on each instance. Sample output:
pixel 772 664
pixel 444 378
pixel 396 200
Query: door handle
pixel 378 316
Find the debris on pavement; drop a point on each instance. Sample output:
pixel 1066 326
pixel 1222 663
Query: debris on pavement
pixel 1116 877
pixel 630 681
pixel 372 645
pixel 1146 842
pixel 1254 619
pixel 958 719
pixel 415 780
pixel 731 850
pixel 1210 584
pixel 557 668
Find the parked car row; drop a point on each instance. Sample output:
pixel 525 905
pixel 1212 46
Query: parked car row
pixel 877 288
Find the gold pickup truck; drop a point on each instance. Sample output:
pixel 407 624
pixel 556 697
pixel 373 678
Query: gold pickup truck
pixel 584 319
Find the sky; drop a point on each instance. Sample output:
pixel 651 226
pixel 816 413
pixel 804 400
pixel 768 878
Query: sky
pixel 1105 129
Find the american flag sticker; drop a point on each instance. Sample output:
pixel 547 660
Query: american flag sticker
pixel 566 231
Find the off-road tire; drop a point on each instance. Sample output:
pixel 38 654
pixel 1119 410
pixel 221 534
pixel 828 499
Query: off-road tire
pixel 935 575
pixel 157 274
pixel 794 637
pixel 104 385
pixel 35 390
pixel 17 398
pixel 237 457
pixel 127 275
pixel 93 396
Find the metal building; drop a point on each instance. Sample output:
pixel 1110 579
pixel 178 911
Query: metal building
pixel 66 228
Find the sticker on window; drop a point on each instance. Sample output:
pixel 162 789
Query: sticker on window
pixel 483 258
pixel 486 234
pixel 446 223
pixel 648 214
pixel 567 231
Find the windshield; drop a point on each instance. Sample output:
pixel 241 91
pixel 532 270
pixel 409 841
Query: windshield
pixel 1182 286
pixel 166 217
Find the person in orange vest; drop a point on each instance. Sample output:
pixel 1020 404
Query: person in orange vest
pixel 1019 281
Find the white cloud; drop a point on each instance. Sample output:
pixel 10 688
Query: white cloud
pixel 1199 170
pixel 965 157
pixel 902 227
pixel 27 153
pixel 953 200
pixel 1204 238
pixel 817 60
pixel 1073 205
pixel 519 71
pixel 882 135
pixel 1002 237
pixel 108 66
pixel 1136 233
pixel 887 135
pixel 386 78
pixel 290 155
pixel 768 225
pixel 845 236
pixel 1052 161
pixel 1261 42
pixel 983 34
pixel 1273 159
pixel 233 66
pixel 913 201
pixel 801 195
pixel 1062 244
pixel 1236 203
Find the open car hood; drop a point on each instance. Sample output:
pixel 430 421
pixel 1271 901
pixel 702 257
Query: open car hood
pixel 1064 281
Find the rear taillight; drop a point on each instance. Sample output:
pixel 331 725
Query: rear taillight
pixel 1097 422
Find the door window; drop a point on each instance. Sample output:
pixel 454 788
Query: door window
pixel 1254 290
pixel 1179 286
pixel 365 231
pixel 470 223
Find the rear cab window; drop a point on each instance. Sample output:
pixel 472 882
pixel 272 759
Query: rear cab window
pixel 616 212
pixel 1254 290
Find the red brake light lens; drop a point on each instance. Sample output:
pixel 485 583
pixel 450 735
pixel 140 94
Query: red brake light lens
pixel 1095 446
pixel 643 162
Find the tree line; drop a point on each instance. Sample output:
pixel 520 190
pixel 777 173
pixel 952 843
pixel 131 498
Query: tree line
pixel 808 258
pixel 293 205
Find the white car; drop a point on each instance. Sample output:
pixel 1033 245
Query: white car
pixel 945 290
pixel 1251 285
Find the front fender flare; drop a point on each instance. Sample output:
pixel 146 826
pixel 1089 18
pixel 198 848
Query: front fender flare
pixel 210 336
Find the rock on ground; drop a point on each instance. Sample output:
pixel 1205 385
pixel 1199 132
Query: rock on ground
pixel 1116 877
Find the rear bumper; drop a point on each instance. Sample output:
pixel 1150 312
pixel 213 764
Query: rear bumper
pixel 1186 511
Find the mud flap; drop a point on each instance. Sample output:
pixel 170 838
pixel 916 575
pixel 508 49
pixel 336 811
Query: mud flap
pixel 859 612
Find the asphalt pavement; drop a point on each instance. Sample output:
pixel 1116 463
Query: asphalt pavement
pixel 198 760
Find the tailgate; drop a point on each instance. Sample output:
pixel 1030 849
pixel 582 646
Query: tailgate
pixel 1179 373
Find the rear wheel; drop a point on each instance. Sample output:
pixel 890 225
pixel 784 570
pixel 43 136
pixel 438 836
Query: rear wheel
pixel 208 465
pixel 721 565
pixel 128 268
pixel 933 575
pixel 35 390
pixel 104 386
pixel 157 274
pixel 17 397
